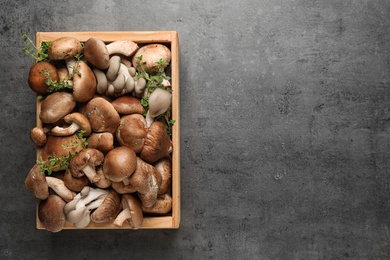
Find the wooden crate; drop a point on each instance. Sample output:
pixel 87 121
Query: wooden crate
pixel 169 38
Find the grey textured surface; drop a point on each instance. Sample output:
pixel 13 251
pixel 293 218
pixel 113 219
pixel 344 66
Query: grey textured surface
pixel 285 129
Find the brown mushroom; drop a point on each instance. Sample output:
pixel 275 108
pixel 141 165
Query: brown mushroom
pixel 58 186
pixel 103 182
pixel 35 183
pixel 102 115
pixel 51 213
pixel 96 53
pixel 121 188
pixel 131 212
pixel 38 136
pixel 77 122
pixel 55 106
pixel 157 143
pixel 164 166
pixel 151 55
pixel 65 48
pixel 108 210
pixel 104 142
pixel 39 74
pixel 75 184
pixel 162 205
pixel 59 147
pixel 84 82
pixel 127 105
pixel 84 163
pixel 132 132
pixel 119 163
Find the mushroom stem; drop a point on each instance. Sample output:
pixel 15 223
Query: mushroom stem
pixel 59 188
pixel 64 131
pixel 90 172
pixel 122 216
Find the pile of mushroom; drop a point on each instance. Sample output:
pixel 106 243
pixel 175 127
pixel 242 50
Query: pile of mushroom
pixel 114 153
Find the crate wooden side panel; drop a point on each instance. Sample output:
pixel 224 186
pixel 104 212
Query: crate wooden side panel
pixel 141 37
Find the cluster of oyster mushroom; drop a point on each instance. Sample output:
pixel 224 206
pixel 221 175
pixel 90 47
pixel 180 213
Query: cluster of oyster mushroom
pixel 101 157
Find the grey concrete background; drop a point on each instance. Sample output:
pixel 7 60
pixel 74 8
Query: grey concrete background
pixel 285 129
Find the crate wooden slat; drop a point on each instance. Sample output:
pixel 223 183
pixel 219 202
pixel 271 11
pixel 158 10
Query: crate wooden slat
pixel 170 38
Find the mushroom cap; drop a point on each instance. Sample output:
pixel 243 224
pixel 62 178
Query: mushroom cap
pixel 102 115
pixel 64 48
pixel 35 183
pixel 151 54
pixel 127 105
pixel 119 163
pixel 59 146
pixel 157 143
pixel 136 216
pixel 75 184
pixel 145 177
pixel 55 106
pixel 121 188
pixel 84 82
pixel 164 166
pixel 37 79
pixel 109 208
pixel 96 53
pixel 51 213
pixel 38 136
pixel 87 157
pixel 132 132
pixel 104 142
pixel 162 205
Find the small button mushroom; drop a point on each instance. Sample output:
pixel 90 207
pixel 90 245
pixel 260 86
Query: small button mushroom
pixel 164 166
pixel 132 132
pixel 35 183
pixel 59 147
pixel 77 122
pixel 151 55
pixel 104 142
pixel 162 205
pixel 102 115
pixel 84 82
pixel 96 53
pixel 75 184
pixel 126 47
pixel 131 212
pixel 108 210
pixel 159 102
pixel 55 106
pixel 38 76
pixel 84 163
pixel 38 136
pixel 126 105
pixel 119 163
pixel 51 213
pixel 157 143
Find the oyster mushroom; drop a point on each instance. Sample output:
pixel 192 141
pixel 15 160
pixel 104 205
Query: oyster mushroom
pixel 84 163
pixel 159 102
pixel 77 122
